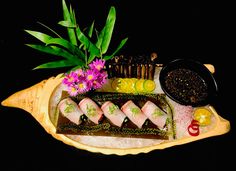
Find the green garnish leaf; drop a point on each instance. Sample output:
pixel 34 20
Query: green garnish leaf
pixel 40 36
pixel 90 33
pixel 53 50
pixel 67 24
pixel 67 17
pixel 66 44
pixel 135 110
pixel 79 50
pixel 112 109
pixel 157 112
pixel 57 64
pixel 69 108
pixel 91 111
pixel 87 43
pixel 105 35
pixel 72 15
pixel 122 43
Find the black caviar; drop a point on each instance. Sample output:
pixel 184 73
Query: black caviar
pixel 186 86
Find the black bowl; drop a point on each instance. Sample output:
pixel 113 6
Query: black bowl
pixel 188 82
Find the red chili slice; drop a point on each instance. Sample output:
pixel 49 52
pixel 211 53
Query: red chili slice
pixel 193 128
pixel 194 122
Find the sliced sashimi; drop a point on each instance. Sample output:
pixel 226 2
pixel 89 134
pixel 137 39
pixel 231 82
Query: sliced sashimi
pixel 113 113
pixel 91 110
pixel 134 113
pixel 70 110
pixel 155 114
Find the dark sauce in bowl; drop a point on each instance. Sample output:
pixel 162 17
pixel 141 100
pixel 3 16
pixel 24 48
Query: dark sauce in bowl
pixel 188 82
pixel 186 85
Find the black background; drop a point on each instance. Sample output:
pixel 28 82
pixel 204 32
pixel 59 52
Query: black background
pixel 174 30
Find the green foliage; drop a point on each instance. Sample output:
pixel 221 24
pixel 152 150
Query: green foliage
pixel 79 50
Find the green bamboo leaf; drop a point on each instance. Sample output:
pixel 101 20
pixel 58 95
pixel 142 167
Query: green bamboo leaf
pixel 87 43
pixel 91 58
pixel 122 43
pixel 67 17
pixel 56 64
pixel 50 50
pixel 78 58
pixel 80 46
pixel 69 46
pixel 57 51
pixel 99 38
pixel 67 24
pixel 105 35
pixel 63 53
pixel 90 33
pixel 40 36
pixel 72 15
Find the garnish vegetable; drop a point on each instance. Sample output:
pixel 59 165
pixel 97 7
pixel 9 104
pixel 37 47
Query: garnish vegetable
pixel 203 116
pixel 79 51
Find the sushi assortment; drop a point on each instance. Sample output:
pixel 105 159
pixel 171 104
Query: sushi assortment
pixel 117 114
pixel 138 101
pixel 116 104
pixel 109 121
pixel 168 118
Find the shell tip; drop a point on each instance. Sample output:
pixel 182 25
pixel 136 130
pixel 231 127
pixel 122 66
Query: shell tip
pixel 4 102
pixel 8 102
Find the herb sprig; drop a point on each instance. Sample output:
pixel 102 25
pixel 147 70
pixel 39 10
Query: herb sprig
pixel 79 51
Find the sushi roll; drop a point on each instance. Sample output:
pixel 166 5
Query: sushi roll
pixel 134 113
pixel 113 113
pixel 155 114
pixel 91 110
pixel 70 110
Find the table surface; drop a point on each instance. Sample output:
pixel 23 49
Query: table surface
pixel 197 31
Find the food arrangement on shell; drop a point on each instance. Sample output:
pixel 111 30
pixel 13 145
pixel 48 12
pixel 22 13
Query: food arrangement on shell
pixel 118 104
pixel 185 123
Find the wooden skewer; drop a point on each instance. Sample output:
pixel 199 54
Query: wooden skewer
pixel 146 71
pixel 138 71
pixel 142 71
pixel 151 72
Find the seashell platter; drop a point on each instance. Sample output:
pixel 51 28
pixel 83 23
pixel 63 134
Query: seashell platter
pixel 118 104
pixel 176 124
